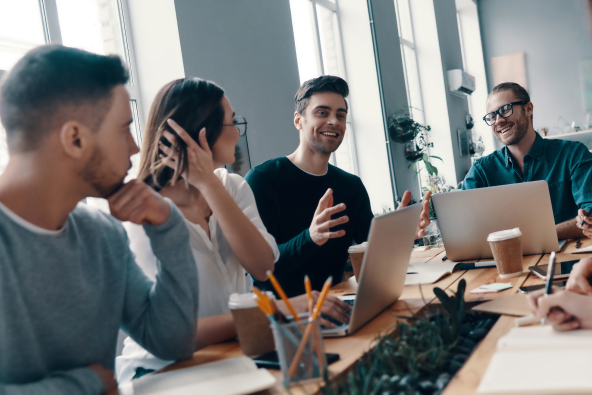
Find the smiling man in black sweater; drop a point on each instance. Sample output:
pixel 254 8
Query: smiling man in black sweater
pixel 297 195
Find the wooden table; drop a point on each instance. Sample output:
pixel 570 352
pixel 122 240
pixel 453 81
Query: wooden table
pixel 413 299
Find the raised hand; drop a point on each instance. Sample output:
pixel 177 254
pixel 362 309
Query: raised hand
pixel 200 169
pixel 138 203
pixel 321 222
pixel 424 216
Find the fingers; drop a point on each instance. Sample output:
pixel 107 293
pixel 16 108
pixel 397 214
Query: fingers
pixel 325 226
pixel 328 212
pixel 548 302
pixel 332 235
pixel 532 300
pixel 323 202
pixel 203 140
pixel 567 326
pixel 182 134
pixel 333 309
pixel 405 200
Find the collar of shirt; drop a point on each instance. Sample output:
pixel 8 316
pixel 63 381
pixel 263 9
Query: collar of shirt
pixel 536 151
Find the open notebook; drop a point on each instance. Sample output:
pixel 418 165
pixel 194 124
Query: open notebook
pixel 430 272
pixel 235 376
pixel 540 360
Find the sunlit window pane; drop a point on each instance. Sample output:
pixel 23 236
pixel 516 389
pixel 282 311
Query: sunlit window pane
pixel 404 19
pixel 330 44
pixel 21 29
pixel 137 134
pixel 3 151
pixel 413 84
pixel 304 39
pixel 92 25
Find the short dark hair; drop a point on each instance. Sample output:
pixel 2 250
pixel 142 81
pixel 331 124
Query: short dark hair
pixel 517 89
pixel 194 104
pixel 53 84
pixel 324 83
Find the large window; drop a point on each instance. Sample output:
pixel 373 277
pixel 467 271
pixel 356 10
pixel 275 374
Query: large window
pixel 99 26
pixel 319 51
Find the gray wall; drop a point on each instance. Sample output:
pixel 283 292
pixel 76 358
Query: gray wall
pixel 451 54
pixel 555 36
pixel 394 93
pixel 247 47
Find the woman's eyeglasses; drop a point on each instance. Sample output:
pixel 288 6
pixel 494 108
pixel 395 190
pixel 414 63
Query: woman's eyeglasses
pixel 240 123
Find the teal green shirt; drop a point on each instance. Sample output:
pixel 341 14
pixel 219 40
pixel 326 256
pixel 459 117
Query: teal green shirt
pixel 565 165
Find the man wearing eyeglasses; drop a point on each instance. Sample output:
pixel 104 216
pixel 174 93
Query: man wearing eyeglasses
pixel 526 156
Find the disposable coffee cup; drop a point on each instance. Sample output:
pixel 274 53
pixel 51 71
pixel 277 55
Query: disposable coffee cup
pixel 506 246
pixel 252 326
pixel 356 256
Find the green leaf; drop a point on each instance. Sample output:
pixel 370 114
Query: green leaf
pixel 425 158
pixel 437 157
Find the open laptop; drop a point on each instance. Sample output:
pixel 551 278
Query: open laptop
pixel 384 268
pixel 466 218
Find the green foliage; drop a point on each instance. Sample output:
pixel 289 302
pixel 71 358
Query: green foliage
pixel 418 357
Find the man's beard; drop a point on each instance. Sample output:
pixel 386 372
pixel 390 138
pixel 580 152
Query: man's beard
pixel 521 126
pixel 103 183
pixel 319 146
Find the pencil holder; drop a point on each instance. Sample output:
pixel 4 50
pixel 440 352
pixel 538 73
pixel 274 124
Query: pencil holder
pixel 301 352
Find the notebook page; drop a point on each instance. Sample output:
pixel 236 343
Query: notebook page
pixel 239 384
pixel 525 372
pixel 155 383
pixel 428 273
pixel 544 337
pixel 582 250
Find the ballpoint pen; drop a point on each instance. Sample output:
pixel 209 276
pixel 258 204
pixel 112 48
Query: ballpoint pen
pixel 549 284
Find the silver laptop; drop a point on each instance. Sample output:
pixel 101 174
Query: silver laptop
pixel 384 267
pixel 466 218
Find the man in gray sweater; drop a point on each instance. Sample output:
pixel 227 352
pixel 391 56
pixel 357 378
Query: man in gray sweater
pixel 68 280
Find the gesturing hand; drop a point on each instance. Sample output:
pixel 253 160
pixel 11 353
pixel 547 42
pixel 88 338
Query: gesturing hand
pixel 321 222
pixel 106 376
pixel 424 216
pixel 587 227
pixel 138 203
pixel 200 163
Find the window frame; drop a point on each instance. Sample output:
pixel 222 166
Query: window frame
pixel 334 7
pixel 51 28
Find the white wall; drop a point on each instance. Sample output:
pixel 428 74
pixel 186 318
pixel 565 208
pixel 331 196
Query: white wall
pixel 156 45
pixel 555 36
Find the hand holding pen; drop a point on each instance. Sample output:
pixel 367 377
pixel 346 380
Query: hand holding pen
pixel 584 222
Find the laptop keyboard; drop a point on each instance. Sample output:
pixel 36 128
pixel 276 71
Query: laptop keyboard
pixel 333 320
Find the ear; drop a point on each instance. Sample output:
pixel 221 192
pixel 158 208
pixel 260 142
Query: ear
pixel 529 109
pixel 75 139
pixel 297 120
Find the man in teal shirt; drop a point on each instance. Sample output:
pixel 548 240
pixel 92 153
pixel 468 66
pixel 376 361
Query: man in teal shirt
pixel 565 165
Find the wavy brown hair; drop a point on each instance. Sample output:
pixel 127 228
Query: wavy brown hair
pixel 194 104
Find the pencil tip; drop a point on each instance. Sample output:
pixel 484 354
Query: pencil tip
pixel 268 273
pixel 306 277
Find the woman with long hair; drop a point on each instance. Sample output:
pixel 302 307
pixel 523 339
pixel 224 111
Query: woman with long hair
pixel 191 133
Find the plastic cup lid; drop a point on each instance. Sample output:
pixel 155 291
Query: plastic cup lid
pixel 504 234
pixel 245 301
pixel 358 247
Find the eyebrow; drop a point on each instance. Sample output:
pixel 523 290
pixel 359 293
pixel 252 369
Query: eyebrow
pixel 329 108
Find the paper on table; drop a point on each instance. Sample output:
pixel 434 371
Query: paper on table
pixel 428 272
pixel 226 377
pixel 495 287
pixel 514 304
pixel 582 250
pixel 524 356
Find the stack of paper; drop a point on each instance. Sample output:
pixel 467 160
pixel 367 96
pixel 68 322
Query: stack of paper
pixel 235 376
pixel 539 360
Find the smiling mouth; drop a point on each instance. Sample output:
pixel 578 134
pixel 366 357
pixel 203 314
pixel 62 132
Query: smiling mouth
pixel 330 134
pixel 504 130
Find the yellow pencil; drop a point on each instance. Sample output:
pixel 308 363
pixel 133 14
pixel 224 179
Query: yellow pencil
pixel 308 287
pixel 315 315
pixel 283 295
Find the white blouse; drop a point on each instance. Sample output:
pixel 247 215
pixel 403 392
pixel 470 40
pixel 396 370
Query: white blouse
pixel 220 272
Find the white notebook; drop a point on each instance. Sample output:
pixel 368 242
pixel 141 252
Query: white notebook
pixel 586 250
pixel 540 360
pixel 235 376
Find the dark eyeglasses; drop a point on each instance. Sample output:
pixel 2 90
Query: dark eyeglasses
pixel 240 123
pixel 504 111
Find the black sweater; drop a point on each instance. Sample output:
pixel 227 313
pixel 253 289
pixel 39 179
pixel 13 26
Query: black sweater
pixel 287 198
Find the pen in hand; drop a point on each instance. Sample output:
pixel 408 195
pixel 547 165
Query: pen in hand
pixel 549 284
pixel 584 221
